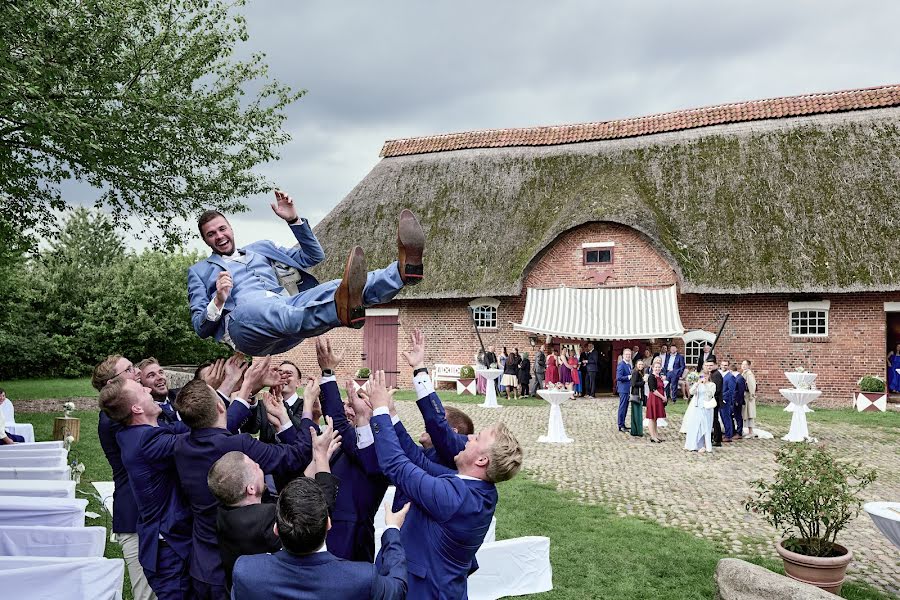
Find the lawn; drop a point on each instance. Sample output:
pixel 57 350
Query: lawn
pixel 594 552
pixel 36 389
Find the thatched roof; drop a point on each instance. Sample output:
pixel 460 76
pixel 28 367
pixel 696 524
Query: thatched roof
pixel 807 203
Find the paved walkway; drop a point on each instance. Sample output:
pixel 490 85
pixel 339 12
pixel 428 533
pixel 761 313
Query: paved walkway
pixel 697 493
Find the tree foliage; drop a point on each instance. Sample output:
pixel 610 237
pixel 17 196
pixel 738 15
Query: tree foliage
pixel 85 297
pixel 142 99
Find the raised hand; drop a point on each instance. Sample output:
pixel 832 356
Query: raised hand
pixel 258 376
pixel 215 375
pixel 327 443
pixel 328 358
pixel 395 518
pixel 275 408
pixel 224 283
pixel 284 206
pixel 377 394
pixel 416 354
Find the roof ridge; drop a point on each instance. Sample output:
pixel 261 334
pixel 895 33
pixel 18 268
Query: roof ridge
pixel 690 118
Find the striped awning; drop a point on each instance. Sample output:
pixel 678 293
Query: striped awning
pixel 630 313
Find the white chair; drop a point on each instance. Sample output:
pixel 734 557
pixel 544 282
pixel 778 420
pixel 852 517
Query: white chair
pixel 19 540
pixel 26 430
pixel 513 567
pixel 31 446
pixel 106 489
pixel 57 473
pixel 59 452
pixel 51 512
pixel 37 487
pixel 69 578
pixel 32 461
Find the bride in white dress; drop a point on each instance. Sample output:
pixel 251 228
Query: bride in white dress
pixel 699 417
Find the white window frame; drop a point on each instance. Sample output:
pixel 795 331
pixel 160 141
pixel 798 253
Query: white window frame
pixel 810 308
pixel 486 307
pixel 693 344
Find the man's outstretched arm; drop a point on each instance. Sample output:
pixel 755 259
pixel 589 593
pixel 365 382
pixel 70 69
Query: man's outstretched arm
pixel 308 252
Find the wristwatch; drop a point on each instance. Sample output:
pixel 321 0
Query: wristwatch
pixel 294 221
pixel 420 370
pixel 327 372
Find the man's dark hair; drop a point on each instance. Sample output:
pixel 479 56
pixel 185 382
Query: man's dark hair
pixel 206 217
pixel 197 405
pixel 302 516
pixel 296 368
pixel 203 365
pixel 2 391
pixel 459 421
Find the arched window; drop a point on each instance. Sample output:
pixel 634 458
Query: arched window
pixel 693 344
pixel 484 311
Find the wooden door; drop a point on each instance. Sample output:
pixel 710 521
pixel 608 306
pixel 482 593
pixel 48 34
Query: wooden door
pixel 380 346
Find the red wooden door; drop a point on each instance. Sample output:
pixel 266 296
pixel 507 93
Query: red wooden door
pixel 380 346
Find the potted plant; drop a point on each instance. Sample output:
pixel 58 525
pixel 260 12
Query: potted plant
pixel 811 500
pixel 872 394
pixel 466 382
pixel 362 377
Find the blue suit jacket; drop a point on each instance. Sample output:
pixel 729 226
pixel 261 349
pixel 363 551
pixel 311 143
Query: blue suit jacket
pixel 125 510
pixel 623 378
pixel 362 487
pixel 148 456
pixel 284 576
pixel 728 386
pixel 195 454
pixel 677 369
pixel 740 389
pixel 447 522
pixel 202 275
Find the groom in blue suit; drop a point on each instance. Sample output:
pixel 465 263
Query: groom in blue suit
pixel 623 386
pixel 261 300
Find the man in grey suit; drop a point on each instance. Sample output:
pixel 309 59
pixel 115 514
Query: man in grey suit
pixel 540 367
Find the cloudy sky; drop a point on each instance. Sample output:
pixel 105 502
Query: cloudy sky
pixel 391 69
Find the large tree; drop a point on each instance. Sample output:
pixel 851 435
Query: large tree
pixel 142 99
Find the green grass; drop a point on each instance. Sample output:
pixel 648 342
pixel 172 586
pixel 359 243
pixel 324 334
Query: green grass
pixel 36 389
pixel 594 552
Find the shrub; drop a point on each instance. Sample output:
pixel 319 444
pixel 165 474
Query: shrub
pixel 870 383
pixel 362 373
pixel 812 499
pixel 467 372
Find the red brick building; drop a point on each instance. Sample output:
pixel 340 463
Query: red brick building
pixel 783 214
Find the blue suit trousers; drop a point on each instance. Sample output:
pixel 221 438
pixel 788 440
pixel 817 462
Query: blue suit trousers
pixel 171 580
pixel 739 419
pixel 275 324
pixel 726 411
pixel 623 408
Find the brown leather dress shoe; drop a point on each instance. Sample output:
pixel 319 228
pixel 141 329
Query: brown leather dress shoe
pixel 410 247
pixel 348 297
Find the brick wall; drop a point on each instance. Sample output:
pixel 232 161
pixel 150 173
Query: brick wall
pixel 757 328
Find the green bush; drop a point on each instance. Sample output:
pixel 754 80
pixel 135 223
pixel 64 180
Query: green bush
pixel 870 383
pixel 363 373
pixel 467 372
pixel 812 499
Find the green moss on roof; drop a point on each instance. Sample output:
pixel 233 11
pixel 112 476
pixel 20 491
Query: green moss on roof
pixel 808 208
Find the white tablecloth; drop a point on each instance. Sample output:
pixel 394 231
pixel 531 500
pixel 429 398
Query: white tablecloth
pixel 799 399
pixel 18 540
pixel 886 519
pixel 62 578
pixel 52 512
pixel 37 487
pixel 31 446
pixel 490 392
pixel 512 567
pixel 556 430
pixel 57 473
pixel 32 461
pixel 24 429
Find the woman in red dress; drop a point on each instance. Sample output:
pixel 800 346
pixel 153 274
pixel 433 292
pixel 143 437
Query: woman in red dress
pixel 655 407
pixel 552 375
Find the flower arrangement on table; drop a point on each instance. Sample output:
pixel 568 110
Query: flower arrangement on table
pixel 800 370
pixel 804 385
pixel 68 409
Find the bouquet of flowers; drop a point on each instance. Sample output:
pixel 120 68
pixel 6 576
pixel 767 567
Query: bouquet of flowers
pixel 693 377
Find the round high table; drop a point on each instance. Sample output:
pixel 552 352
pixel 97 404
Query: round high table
pixel 490 392
pixel 556 431
pixel 886 516
pixel 799 398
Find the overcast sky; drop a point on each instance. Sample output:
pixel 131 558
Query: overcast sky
pixel 390 69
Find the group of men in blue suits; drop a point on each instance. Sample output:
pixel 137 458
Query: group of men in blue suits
pixel 734 389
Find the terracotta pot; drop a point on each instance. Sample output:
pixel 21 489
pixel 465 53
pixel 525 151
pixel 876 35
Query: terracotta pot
pixel 825 572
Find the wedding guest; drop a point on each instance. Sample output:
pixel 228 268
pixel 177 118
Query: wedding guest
pixel 703 404
pixel 593 368
pixel 749 412
pixel 576 374
pixel 740 389
pixel 683 385
pixel 893 374
pixel 623 387
pixel 511 376
pixel 524 375
pixel 648 357
pixel 691 378
pixel 552 367
pixel 501 364
pixel 656 399
pixel 635 355
pixel 726 411
pixel 582 370
pixel 565 370
pixel 673 369
pixel 480 381
pixel 704 354
pixel 637 399
pixel 716 377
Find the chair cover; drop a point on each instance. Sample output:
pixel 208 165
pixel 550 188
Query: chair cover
pixel 32 461
pixel 31 446
pixel 512 567
pixel 51 512
pixel 57 473
pixel 26 430
pixel 75 578
pixel 59 452
pixel 19 540
pixel 37 487
pixel 106 490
